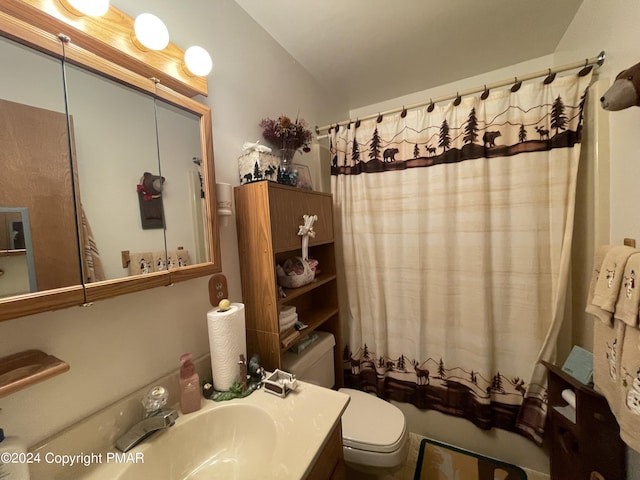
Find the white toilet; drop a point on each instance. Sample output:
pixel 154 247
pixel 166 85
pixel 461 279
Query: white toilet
pixel 374 432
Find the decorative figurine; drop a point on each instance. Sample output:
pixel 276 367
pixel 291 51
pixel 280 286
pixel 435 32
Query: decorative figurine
pixel 624 92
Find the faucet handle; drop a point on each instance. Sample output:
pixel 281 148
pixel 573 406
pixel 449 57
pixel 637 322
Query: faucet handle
pixel 155 399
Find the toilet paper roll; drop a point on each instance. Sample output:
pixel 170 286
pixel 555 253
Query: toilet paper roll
pixel 569 396
pixel 227 341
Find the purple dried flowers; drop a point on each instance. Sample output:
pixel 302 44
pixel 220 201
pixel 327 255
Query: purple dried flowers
pixel 284 133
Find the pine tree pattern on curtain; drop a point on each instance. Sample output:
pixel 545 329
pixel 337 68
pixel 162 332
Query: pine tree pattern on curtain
pixel 455 229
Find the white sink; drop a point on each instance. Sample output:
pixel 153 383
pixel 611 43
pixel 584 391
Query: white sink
pixel 260 436
pixel 231 441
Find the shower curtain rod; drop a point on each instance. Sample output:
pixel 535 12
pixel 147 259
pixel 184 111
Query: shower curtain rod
pixel 550 73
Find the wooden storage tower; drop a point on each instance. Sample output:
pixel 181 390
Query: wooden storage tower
pixel 585 441
pixel 268 217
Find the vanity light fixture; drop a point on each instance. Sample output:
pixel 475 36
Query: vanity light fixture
pixel 94 8
pixel 198 61
pixel 150 33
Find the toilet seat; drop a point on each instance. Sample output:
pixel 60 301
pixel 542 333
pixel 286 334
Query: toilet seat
pixel 371 424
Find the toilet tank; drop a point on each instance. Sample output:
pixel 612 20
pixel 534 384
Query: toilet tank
pixel 315 363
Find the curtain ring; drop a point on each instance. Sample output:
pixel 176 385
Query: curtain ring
pixel 516 86
pixel 379 119
pixel 586 69
pixel 357 122
pixel 458 99
pixel 403 113
pixel 550 78
pixel 317 130
pixel 337 127
pixel 485 93
pixel 329 130
pixel 431 106
pixel 349 124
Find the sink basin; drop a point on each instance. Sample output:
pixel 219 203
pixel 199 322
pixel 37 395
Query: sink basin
pixel 259 436
pixel 231 441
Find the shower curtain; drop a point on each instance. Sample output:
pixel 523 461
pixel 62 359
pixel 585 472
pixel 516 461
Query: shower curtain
pixel 455 228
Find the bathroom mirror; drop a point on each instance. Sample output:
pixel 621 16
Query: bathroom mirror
pixel 114 144
pixel 114 128
pixel 17 268
pixel 37 177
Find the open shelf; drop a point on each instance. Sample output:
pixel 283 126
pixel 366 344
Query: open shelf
pixel 292 293
pixel 313 319
pixel 23 369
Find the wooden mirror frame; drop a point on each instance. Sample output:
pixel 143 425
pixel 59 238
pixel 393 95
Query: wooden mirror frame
pixel 28 22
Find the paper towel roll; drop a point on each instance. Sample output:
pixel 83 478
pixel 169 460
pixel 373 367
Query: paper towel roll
pixel 227 341
pixel 569 397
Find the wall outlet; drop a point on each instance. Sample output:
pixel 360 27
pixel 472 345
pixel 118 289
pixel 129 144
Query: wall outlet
pixel 218 289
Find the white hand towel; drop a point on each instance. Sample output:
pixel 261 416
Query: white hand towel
pixel 610 278
pixel 629 296
pixel 598 259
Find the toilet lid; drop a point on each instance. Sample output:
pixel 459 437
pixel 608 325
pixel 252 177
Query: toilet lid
pixel 372 424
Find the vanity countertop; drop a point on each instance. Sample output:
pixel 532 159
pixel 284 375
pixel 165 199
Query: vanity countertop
pixel 261 434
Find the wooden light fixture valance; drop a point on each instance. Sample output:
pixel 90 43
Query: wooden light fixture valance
pixel 109 36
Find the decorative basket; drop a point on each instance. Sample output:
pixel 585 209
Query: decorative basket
pixel 300 273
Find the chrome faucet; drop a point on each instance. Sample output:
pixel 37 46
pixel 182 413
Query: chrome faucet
pixel 157 418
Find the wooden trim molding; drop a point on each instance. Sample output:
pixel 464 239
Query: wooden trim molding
pixel 109 37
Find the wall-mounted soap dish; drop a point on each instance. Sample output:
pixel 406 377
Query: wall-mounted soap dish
pixel 23 369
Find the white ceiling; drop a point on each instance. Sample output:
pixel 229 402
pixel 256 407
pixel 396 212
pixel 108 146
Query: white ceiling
pixel 375 50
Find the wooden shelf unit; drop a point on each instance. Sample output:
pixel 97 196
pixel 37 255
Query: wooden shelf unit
pixel 585 441
pixel 268 217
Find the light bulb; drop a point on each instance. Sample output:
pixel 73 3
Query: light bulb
pixel 198 61
pixel 95 8
pixel 151 32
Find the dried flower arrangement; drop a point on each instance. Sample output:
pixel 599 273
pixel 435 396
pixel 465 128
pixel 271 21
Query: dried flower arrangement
pixel 285 133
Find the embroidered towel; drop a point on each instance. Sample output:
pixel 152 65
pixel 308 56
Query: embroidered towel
pixel 178 258
pixel 610 278
pixel 629 296
pixel 628 413
pixel 607 354
pixel 140 263
pixel 159 261
pixel 182 257
pixel 598 259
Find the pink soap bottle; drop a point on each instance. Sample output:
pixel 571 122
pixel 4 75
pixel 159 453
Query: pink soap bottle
pixel 189 385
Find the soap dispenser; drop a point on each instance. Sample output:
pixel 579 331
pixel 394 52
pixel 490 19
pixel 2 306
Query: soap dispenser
pixel 13 464
pixel 189 385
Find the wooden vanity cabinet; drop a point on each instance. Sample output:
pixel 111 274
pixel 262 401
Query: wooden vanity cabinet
pixel 268 217
pixel 329 465
pixel 585 441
